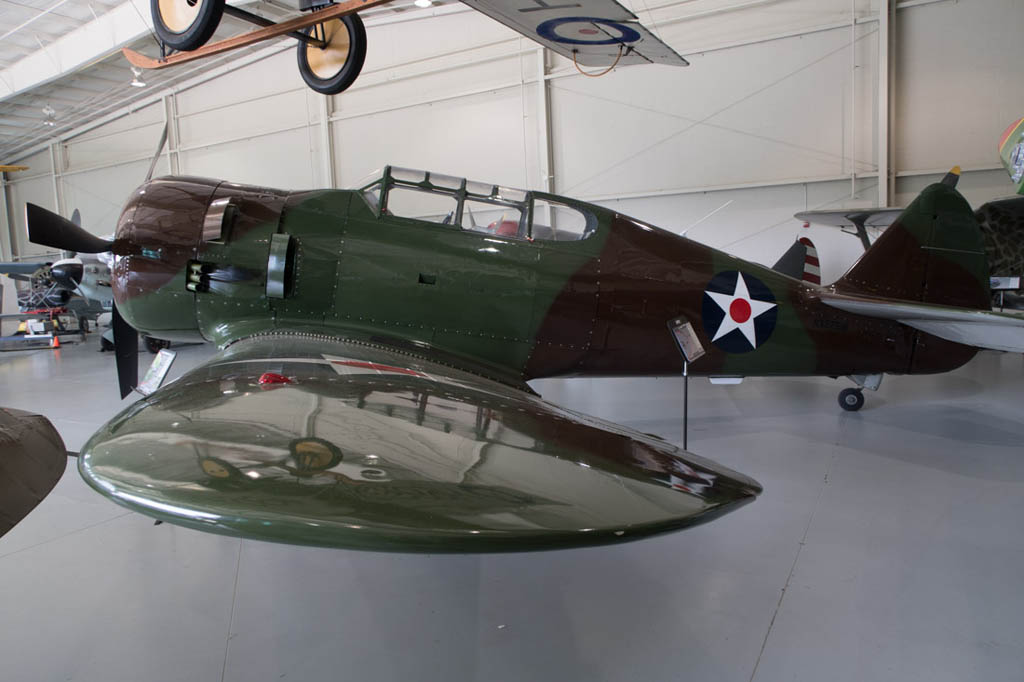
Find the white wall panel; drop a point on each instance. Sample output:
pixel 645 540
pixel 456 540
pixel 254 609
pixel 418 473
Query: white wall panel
pixel 131 136
pixel 281 160
pixel 958 83
pixel 100 194
pixel 452 39
pixel 267 77
pixel 698 25
pixel 37 190
pixel 774 111
pixel 757 223
pixel 490 137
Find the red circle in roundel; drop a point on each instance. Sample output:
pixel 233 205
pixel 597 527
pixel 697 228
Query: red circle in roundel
pixel 739 310
pixel 588 31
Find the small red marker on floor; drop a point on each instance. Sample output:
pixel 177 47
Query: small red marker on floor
pixel 272 378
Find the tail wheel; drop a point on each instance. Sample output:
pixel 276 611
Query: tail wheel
pixel 185 24
pixel 851 399
pixel 332 68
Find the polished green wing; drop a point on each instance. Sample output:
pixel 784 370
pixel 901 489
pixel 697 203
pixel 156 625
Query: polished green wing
pixel 308 440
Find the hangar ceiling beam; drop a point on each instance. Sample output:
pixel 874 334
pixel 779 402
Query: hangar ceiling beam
pixel 86 44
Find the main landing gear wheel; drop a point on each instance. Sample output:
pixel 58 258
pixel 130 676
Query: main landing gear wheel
pixel 851 399
pixel 218 468
pixel 185 24
pixel 332 68
pixel 154 346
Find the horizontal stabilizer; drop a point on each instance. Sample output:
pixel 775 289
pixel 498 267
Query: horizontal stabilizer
pixel 851 217
pixel 20 268
pixel 978 328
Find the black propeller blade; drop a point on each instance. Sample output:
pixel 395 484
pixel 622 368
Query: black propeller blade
pixel 126 353
pixel 49 229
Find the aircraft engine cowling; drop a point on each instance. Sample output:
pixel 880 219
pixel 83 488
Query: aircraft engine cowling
pixel 157 235
pixel 186 247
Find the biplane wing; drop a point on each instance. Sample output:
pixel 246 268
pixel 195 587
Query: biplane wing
pixel 593 32
pixel 304 439
pixel 20 269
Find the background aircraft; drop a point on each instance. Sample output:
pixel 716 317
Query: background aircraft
pixel 332 39
pixel 371 391
pixel 1001 222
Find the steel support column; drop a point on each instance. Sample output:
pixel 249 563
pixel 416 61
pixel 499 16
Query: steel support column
pixel 544 160
pixel 327 140
pixel 886 15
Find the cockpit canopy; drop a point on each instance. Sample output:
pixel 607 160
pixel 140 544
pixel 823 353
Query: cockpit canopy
pixel 476 206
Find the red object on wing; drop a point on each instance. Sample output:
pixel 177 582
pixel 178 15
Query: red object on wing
pixel 272 378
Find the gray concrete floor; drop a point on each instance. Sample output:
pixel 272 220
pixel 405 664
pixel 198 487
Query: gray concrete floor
pixel 888 545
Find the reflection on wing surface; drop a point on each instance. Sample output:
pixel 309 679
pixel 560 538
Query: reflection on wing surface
pixel 370 448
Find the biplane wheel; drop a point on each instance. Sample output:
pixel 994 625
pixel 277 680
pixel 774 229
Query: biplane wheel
pixel 314 454
pixel 851 399
pixel 218 468
pixel 185 24
pixel 332 68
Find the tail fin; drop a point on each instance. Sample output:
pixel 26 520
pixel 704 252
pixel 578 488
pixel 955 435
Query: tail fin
pixel 934 252
pixel 800 262
pixel 812 268
pixel 1011 153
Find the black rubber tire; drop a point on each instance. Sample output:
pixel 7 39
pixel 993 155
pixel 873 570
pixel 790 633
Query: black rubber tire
pixel 217 468
pixel 348 73
pixel 851 399
pixel 195 34
pixel 154 346
pixel 105 345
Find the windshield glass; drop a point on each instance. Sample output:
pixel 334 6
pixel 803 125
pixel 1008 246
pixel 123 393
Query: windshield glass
pixel 473 206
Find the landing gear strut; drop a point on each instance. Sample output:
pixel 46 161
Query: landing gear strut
pixel 851 399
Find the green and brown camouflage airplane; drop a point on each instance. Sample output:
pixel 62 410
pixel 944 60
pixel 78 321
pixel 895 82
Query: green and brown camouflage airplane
pixel 371 391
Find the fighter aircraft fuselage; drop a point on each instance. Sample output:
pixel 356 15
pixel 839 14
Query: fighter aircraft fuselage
pixel 204 258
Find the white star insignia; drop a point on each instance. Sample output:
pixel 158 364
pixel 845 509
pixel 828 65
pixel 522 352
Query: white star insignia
pixel 740 311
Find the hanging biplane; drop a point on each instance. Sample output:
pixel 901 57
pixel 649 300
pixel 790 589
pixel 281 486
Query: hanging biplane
pixel 332 39
pixel 371 391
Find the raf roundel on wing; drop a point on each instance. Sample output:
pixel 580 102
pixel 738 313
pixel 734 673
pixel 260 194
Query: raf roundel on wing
pixel 739 311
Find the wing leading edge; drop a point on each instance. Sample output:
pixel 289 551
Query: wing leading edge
pixel 338 444
pixel 595 32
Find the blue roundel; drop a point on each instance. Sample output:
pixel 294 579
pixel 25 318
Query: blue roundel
pixel 739 311
pixel 626 34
